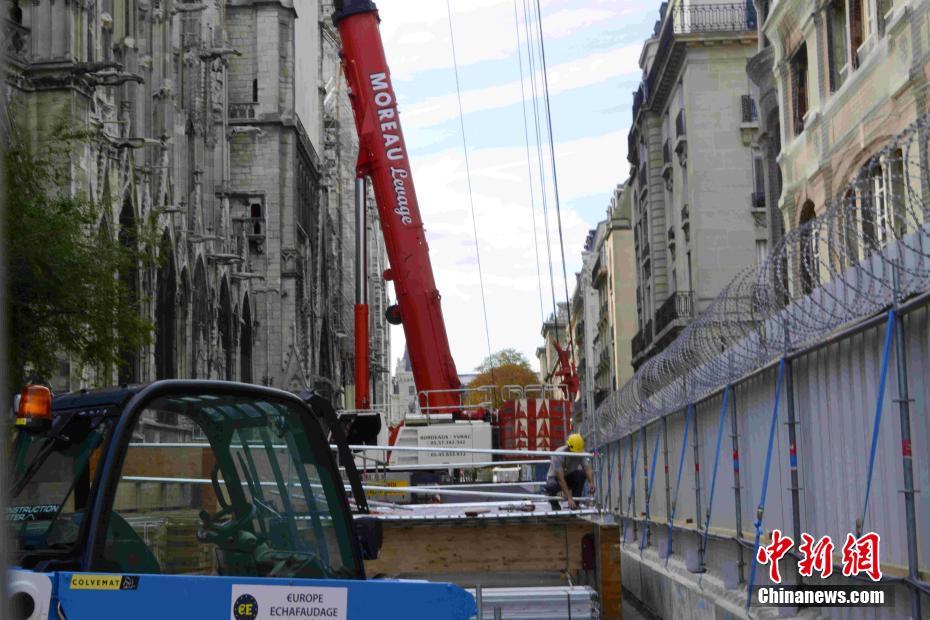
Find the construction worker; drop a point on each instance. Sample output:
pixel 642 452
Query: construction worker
pixel 568 473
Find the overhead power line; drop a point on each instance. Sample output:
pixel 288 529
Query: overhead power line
pixel 529 166
pixel 555 180
pixel 527 21
pixel 471 198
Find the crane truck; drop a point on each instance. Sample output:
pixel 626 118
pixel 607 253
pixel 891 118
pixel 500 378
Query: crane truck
pixel 196 499
pixel 526 422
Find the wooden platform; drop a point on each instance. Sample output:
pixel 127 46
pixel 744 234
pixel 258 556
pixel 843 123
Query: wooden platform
pixel 516 551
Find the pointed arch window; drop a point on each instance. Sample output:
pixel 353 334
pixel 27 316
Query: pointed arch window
pixel 128 371
pixel 200 323
pixel 245 342
pixel 224 325
pixel 165 314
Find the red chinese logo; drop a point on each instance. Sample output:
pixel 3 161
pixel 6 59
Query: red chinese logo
pixel 860 555
pixel 817 556
pixel 771 554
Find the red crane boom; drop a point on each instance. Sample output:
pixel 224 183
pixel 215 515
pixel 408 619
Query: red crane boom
pixel 383 158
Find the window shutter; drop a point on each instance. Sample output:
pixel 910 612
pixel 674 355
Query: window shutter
pixel 856 36
pixel 831 48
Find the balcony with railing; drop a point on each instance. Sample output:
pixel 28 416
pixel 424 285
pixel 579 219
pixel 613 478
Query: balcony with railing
pixel 677 311
pixel 713 18
pixel 692 19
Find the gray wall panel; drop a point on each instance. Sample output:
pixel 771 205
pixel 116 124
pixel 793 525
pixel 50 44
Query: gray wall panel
pixel 835 392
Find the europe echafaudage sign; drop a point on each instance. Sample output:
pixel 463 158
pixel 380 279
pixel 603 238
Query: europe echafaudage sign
pixel 254 602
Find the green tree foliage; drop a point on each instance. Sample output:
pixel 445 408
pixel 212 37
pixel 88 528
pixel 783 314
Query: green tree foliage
pixel 505 367
pixel 64 293
pixel 502 358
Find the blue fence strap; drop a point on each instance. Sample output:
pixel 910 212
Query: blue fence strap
pixel 610 469
pixel 622 464
pixel 629 502
pixel 889 337
pixel 618 459
pixel 765 479
pixel 681 464
pixel 652 479
pixel 713 480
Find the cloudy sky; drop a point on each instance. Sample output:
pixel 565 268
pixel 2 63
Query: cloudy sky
pixel 592 48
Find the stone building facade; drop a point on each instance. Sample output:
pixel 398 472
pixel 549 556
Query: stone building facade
pixel 603 313
pixel 601 362
pixel 697 217
pixel 767 141
pixel 620 254
pixel 211 122
pixel 848 76
pixel 584 329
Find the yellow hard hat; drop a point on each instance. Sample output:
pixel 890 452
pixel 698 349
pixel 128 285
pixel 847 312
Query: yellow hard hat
pixel 575 442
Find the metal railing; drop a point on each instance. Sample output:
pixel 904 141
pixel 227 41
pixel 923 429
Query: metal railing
pixel 677 306
pixel 768 309
pixel 748 108
pixel 696 19
pixel 552 391
pixel 499 497
pixel 710 18
pixel 473 398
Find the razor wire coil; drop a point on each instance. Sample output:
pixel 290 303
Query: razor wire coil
pixel 869 248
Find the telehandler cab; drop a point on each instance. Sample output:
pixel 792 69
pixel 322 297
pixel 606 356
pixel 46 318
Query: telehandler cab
pixel 193 499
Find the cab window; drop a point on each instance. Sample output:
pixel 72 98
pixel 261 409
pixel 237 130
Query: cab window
pixel 52 477
pixel 229 485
